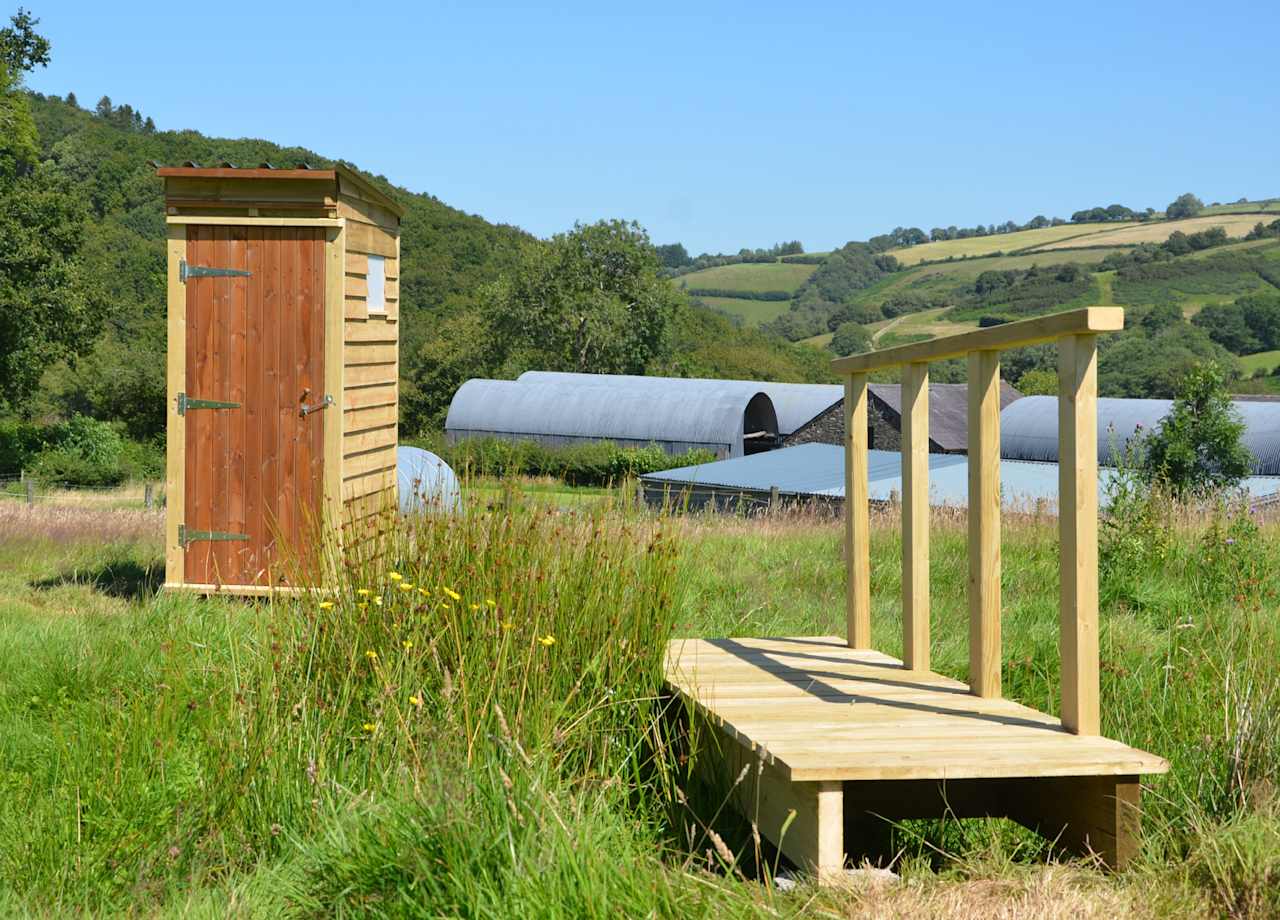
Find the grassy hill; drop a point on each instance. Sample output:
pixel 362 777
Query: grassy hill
pixel 1235 225
pixel 999 242
pixel 1075 236
pixel 749 278
pixel 448 257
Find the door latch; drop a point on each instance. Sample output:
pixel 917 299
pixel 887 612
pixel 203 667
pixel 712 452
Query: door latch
pixel 305 410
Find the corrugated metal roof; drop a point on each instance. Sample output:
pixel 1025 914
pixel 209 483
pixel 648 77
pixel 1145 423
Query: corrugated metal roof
pixel 794 403
pixel 1029 428
pixel 818 470
pixel 560 412
pixel 948 409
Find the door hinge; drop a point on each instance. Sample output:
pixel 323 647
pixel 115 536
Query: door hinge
pixel 185 402
pixel 187 537
pixel 187 272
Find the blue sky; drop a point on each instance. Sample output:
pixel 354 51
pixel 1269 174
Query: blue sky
pixel 717 125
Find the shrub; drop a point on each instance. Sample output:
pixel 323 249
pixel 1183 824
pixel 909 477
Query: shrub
pixel 599 463
pixel 82 451
pixel 20 442
pixel 849 339
pixel 1196 450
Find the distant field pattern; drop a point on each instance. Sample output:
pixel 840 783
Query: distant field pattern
pixel 1158 231
pixel 752 312
pixel 750 276
pixel 1000 242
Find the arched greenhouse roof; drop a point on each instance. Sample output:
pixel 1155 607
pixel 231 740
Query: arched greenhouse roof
pixel 1029 428
pixel 565 412
pixel 794 403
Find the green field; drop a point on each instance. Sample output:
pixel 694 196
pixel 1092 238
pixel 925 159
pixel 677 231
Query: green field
pixel 484 740
pixel 1260 361
pixel 750 276
pixel 1267 205
pixel 751 312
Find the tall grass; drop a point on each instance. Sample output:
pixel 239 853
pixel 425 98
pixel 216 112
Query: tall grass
pixel 468 723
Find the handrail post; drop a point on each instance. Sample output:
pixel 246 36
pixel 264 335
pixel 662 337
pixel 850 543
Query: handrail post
pixel 915 516
pixel 1078 530
pixel 857 516
pixel 984 523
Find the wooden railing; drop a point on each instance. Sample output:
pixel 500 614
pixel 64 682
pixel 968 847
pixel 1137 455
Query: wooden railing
pixel 1076 334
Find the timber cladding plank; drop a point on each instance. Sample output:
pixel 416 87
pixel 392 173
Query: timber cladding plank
pixel 176 443
pixel 371 353
pixel 984 523
pixel 371 240
pixel 371 374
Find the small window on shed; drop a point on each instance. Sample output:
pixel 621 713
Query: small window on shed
pixel 376 279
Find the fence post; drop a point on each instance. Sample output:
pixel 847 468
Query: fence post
pixel 915 516
pixel 1078 531
pixel 31 491
pixel 775 500
pixel 857 514
pixel 146 496
pixel 984 523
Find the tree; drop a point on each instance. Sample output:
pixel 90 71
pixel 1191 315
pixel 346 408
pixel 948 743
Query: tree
pixel 1185 205
pixel 850 339
pixel 104 108
pixel 589 300
pixel 672 255
pixel 1196 450
pixel 47 311
pixel 21 49
pixel 1038 382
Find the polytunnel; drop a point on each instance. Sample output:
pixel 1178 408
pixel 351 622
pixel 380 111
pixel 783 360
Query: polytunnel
pixel 729 421
pixel 1029 429
pixel 794 403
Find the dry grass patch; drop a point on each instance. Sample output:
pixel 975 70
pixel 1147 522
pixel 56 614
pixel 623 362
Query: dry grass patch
pixel 1235 225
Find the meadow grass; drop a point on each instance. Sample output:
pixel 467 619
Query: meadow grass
pixel 470 724
pixel 1260 361
pixel 751 312
pixel 750 276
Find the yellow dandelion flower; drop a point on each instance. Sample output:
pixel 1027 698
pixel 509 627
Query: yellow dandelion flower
pixel 395 576
pixel 370 726
pixel 371 655
pixel 547 640
pixel 378 600
pixel 491 602
pixel 475 606
pixel 405 586
pixel 452 593
pixel 408 644
pixel 507 626
pixel 423 591
pixel 325 605
pixel 363 592
pixel 363 605
pixel 416 701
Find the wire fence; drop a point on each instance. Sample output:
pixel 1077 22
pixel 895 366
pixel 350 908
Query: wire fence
pixel 25 489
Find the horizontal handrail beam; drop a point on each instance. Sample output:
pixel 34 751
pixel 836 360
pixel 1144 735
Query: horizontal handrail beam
pixel 1085 321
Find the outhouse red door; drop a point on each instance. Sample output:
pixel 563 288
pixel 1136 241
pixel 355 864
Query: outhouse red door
pixel 253 402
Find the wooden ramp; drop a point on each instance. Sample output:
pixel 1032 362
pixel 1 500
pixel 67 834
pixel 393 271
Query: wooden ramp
pixel 836 732
pixel 854 731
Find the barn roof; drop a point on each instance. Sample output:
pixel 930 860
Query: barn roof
pixel 1029 428
pixel 561 411
pixel 341 175
pixel 794 403
pixel 817 471
pixel 948 409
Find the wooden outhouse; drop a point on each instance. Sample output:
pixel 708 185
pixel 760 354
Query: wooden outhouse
pixel 282 367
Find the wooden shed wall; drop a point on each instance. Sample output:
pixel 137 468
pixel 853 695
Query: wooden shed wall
pixel 371 363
